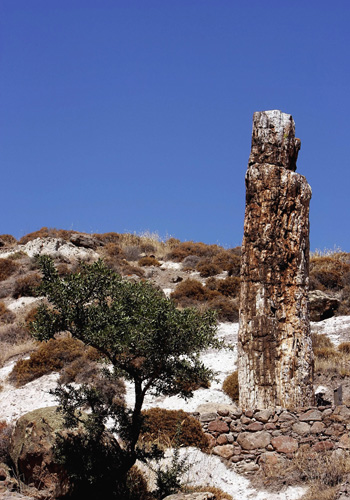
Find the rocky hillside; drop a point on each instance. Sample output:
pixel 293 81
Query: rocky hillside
pixel 193 274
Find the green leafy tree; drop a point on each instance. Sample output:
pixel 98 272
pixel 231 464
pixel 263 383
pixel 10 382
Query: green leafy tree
pixel 144 338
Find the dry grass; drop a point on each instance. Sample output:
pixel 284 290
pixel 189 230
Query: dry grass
pixel 321 472
pixel 219 494
pixel 49 357
pixel 22 348
pixel 169 428
pixel 7 268
pixel 329 359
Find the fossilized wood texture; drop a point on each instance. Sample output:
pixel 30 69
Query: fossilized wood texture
pixel 275 359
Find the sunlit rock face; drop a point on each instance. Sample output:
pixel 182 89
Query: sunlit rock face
pixel 275 354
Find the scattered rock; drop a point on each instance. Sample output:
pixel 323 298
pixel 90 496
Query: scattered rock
pixel 225 451
pixel 322 305
pixel 31 451
pixel 251 441
pixel 284 444
pixel 85 241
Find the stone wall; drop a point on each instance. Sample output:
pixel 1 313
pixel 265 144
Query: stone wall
pixel 251 437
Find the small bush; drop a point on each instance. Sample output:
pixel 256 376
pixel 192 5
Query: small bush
pixel 230 286
pixel 8 239
pixel 231 387
pixel 113 250
pixel 329 272
pixel 207 268
pixel 182 250
pixel 190 291
pixel 228 260
pixel 212 283
pixel 26 286
pixel 7 268
pixel 46 232
pixel 51 356
pixel 132 252
pixel 137 485
pixel 190 262
pixel 173 428
pixel 321 344
pixel 227 309
pixel 344 348
pixel 6 316
pixel 107 238
pixel 148 261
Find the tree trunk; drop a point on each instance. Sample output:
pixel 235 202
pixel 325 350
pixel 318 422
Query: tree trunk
pixel 275 361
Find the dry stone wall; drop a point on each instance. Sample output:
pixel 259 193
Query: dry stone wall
pixel 253 437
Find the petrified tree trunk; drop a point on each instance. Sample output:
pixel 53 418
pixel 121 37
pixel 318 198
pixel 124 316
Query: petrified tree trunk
pixel 275 361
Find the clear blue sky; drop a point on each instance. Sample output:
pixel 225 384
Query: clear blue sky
pixel 133 115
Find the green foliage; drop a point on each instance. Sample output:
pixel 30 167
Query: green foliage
pixel 168 479
pixel 172 427
pixel 145 338
pixel 231 387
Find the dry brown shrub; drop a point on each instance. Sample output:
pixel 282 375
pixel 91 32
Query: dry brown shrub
pixel 51 356
pixel 148 261
pixel 190 292
pixel 107 237
pixel 46 232
pixel 212 283
pixel 8 239
pixel 206 268
pixel 226 309
pixel 137 485
pixel 228 260
pixel 329 272
pixel 230 286
pixel 231 386
pixel 327 358
pixel 182 250
pixel 7 268
pixel 113 250
pixel 344 348
pixel 26 286
pixel 172 428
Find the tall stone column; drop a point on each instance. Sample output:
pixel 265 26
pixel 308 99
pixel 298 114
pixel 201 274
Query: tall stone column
pixel 275 360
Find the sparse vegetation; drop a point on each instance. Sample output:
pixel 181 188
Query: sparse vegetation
pixel 26 286
pixel 148 261
pixel 7 268
pixel 51 356
pixel 171 428
pixel 231 386
pixel 328 359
